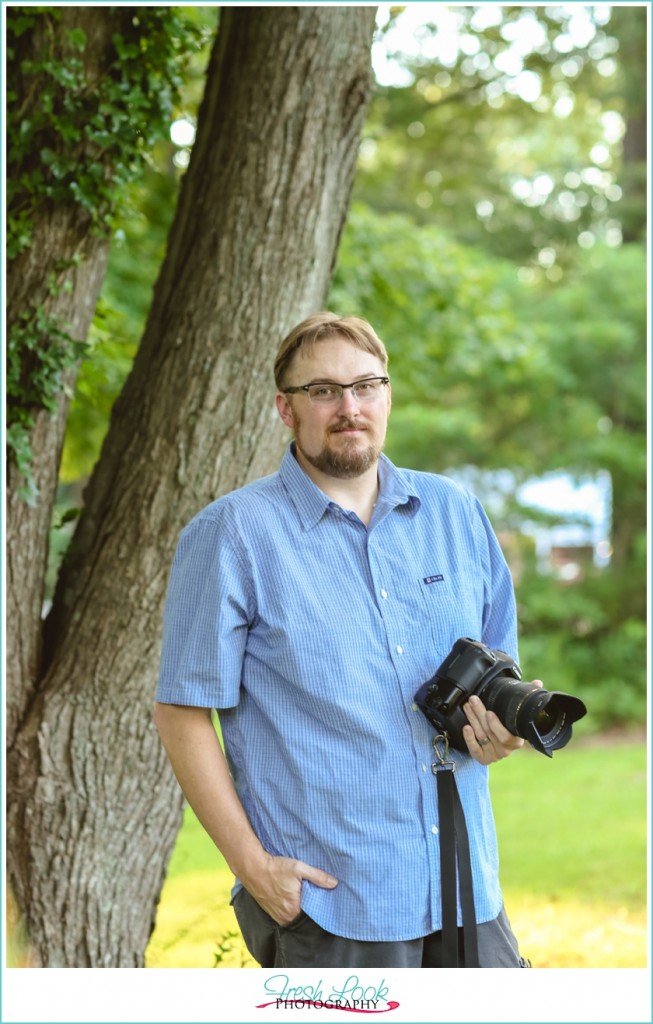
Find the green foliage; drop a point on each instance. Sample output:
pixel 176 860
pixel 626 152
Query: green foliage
pixel 226 945
pixel 593 327
pixel 136 253
pixel 80 141
pixel 575 640
pixel 73 141
pixel 39 352
pixel 502 137
pixel 590 638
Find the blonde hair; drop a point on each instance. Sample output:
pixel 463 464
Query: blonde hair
pixel 320 327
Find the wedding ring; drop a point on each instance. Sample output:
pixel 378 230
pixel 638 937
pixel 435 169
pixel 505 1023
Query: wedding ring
pixel 484 742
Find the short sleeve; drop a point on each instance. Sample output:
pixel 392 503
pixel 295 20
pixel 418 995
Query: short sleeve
pixel 206 619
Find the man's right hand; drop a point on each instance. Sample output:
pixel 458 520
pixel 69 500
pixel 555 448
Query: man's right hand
pixel 278 887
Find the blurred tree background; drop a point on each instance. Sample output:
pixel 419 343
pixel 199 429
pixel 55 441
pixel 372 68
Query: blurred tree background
pixel 496 241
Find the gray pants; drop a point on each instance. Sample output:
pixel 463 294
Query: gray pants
pixel 304 944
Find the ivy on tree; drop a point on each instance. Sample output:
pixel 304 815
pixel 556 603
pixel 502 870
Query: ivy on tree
pixel 75 139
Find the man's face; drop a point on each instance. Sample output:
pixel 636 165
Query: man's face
pixel 344 439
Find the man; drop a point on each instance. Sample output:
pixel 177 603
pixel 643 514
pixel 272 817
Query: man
pixel 307 608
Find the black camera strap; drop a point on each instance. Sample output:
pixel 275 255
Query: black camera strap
pixel 455 864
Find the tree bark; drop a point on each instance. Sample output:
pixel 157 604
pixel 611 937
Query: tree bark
pixel 61 238
pixel 93 807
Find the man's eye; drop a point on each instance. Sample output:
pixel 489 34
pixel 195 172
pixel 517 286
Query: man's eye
pixel 323 390
pixel 365 387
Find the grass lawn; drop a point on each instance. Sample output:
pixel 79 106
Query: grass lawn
pixel 572 836
pixel 572 839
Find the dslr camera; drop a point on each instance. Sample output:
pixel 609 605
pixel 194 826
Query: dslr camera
pixel 543 718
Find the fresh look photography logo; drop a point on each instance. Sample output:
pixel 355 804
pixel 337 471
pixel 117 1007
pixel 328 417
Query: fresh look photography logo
pixel 353 996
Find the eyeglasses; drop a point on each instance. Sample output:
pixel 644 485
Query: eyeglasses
pixel 328 393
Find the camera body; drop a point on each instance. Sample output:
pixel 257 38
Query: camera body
pixel 542 717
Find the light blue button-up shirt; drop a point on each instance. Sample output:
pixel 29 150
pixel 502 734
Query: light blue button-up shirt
pixel 311 633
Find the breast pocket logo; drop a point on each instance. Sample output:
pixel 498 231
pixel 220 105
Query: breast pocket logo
pixel 434 579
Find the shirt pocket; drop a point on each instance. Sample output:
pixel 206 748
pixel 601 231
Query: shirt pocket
pixel 454 608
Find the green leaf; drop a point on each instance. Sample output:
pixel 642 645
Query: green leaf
pixel 77 38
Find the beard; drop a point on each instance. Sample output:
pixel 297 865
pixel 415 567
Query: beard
pixel 346 462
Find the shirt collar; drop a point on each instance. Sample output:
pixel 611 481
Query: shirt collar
pixel 311 503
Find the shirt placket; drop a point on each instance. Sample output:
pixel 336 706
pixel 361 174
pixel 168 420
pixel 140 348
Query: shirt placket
pixel 400 654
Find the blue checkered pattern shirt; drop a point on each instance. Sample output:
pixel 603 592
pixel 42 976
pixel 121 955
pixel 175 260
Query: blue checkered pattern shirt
pixel 311 634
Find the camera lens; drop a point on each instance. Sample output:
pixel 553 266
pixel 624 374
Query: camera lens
pixel 543 718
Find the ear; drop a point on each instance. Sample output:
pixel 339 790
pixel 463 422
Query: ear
pixel 388 397
pixel 285 410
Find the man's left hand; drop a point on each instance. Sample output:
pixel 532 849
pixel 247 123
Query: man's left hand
pixel 486 738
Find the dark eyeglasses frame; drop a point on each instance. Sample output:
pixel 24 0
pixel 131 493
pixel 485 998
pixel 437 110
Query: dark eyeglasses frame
pixel 316 383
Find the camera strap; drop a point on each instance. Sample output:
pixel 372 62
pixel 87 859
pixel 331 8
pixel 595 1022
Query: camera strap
pixel 455 864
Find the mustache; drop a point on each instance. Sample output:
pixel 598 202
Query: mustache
pixel 347 424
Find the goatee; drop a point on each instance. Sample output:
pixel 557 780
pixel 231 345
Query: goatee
pixel 347 462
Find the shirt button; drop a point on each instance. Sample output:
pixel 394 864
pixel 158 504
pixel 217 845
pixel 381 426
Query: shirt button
pixel 434 829
pixel 399 649
pixel 423 767
pixel 384 593
pixel 414 707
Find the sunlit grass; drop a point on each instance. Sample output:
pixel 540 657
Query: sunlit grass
pixel 577 934
pixel 572 835
pixel 17 951
pixel 195 924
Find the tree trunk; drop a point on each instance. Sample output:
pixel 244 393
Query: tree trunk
pixel 63 248
pixel 93 806
pixel 628 24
